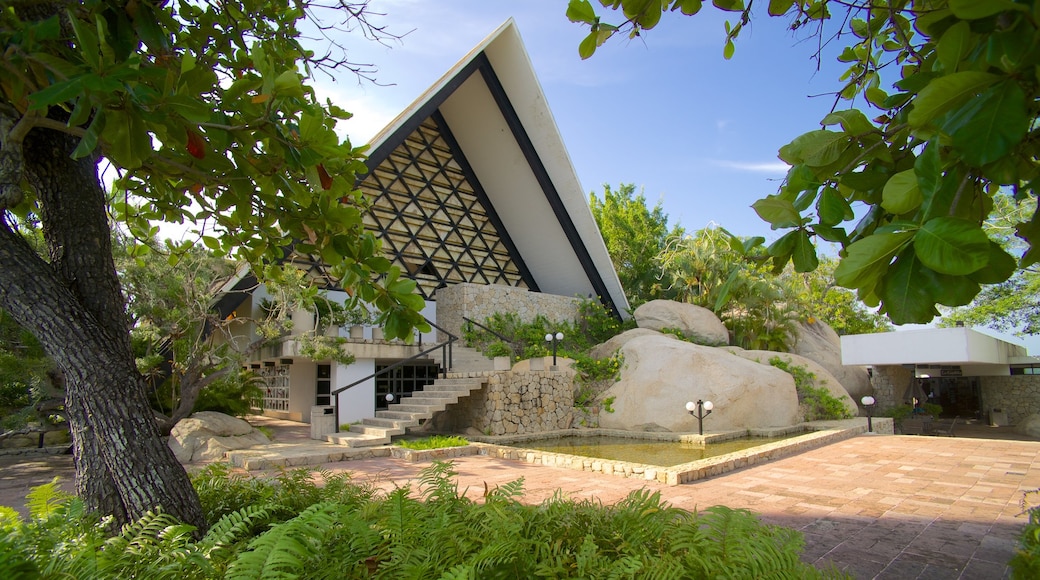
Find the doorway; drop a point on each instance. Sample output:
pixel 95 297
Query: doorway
pixel 958 396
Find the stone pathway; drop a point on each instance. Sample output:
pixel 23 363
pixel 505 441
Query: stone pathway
pixel 887 507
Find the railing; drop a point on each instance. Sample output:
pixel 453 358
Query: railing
pixel 446 355
pixel 497 335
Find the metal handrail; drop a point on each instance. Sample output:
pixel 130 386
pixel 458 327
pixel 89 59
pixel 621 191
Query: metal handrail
pixel 446 361
pixel 497 335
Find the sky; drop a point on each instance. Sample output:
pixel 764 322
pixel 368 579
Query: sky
pixel 666 112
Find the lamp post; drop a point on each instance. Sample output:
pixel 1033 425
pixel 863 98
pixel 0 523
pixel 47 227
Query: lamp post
pixel 700 409
pixel 868 404
pixel 555 340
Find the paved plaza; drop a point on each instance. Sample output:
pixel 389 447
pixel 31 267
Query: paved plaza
pixel 875 506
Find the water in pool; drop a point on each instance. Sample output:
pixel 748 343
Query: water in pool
pixel 660 453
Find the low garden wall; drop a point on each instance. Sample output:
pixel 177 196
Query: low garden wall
pixel 516 403
pixel 479 302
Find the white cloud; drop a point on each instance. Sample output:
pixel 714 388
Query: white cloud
pixel 753 166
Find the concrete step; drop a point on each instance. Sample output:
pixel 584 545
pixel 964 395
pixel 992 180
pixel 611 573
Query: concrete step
pixel 417 409
pixel 388 423
pixel 376 430
pixel 398 415
pixel 353 439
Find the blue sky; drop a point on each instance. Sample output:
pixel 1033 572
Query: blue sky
pixel 665 112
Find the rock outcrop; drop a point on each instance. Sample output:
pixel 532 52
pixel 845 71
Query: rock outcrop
pixel 208 435
pixel 817 341
pixel 698 324
pixel 661 375
pixel 823 378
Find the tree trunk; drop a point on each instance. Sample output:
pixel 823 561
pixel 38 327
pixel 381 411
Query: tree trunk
pixel 74 306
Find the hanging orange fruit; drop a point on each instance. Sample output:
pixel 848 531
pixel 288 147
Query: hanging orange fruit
pixel 196 144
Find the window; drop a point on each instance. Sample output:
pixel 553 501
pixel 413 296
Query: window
pixel 323 386
pixel 402 381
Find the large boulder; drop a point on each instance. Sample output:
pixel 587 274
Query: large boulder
pixel 698 324
pixel 208 435
pixel 822 377
pixel 1029 426
pixel 614 344
pixel 661 375
pixel 817 341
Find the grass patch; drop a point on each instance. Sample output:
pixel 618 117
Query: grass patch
pixel 433 442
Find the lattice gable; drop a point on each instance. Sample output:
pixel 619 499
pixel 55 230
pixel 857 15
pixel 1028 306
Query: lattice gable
pixel 433 218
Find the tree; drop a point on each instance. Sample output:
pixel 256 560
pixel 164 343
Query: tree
pixel 1010 306
pixel 724 273
pixel 634 236
pixel 904 194
pixel 202 112
pixel 822 299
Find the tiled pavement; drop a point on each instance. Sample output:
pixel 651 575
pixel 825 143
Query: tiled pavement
pixel 898 507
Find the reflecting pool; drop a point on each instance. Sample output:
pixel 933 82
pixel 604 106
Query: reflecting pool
pixel 649 452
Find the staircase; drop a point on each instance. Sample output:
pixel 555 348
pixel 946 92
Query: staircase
pixel 409 412
pixel 469 360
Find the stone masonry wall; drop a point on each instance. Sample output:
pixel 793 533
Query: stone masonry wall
pixel 889 382
pixel 478 302
pixel 1017 395
pixel 519 402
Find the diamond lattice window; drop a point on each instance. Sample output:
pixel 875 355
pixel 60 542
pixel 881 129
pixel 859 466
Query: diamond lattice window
pixel 432 217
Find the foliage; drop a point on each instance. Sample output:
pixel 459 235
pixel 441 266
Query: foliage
pixel 1026 561
pixel 721 272
pixel 1009 306
pixel 956 127
pixel 230 394
pixel 634 235
pixel 838 307
pixel 433 442
pixel 289 527
pixel 595 325
pixel 817 403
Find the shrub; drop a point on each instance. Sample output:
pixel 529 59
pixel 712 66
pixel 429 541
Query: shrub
pixel 433 442
pixel 818 404
pixel 1026 561
pixel 291 528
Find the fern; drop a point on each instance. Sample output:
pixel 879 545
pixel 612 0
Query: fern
pixel 283 551
pixel 45 500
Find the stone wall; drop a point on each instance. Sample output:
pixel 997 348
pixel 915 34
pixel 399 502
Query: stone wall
pixel 516 403
pixel 478 302
pixel 889 383
pixel 1017 395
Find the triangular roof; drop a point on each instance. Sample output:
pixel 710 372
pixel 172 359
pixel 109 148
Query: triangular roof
pixel 472 183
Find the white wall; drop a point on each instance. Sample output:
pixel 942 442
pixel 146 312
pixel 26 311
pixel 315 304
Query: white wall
pixel 358 402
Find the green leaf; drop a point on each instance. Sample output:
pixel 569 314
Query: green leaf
pixel 729 49
pixel 688 7
pixel 853 121
pixel 815 148
pixel 780 7
pixel 288 84
pixel 990 125
pixel 867 260
pixel 804 255
pixel 836 235
pixel 89 141
pixel 729 5
pixel 581 11
pixel 784 246
pixel 588 45
pixel 946 93
pixel 780 213
pixel 56 94
pixel 1030 232
pixel 905 298
pixel 953 46
pixel 950 291
pixel 832 208
pixel 901 193
pixel 952 246
pixel 976 9
pixel 998 268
